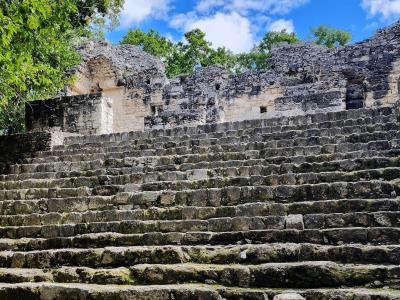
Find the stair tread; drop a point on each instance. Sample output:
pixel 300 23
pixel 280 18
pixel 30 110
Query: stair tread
pixel 244 210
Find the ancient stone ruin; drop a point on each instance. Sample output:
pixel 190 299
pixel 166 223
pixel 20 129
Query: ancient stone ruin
pixel 277 184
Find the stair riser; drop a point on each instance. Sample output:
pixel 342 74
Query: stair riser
pixel 372 236
pixel 305 275
pixel 259 134
pixel 225 168
pixel 380 219
pixel 203 197
pixel 208 179
pixel 258 142
pixel 205 213
pixel 225 154
pixel 349 118
pixel 181 292
pixel 114 258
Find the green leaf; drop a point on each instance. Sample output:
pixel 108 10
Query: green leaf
pixel 33 22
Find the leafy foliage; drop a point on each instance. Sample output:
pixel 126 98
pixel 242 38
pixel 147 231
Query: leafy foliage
pixel 183 57
pixel 37 39
pixel 152 42
pixel 180 57
pixel 271 38
pixel 330 37
pixel 257 58
pixel 254 60
pixel 196 52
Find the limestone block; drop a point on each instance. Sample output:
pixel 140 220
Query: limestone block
pixel 289 296
pixel 294 222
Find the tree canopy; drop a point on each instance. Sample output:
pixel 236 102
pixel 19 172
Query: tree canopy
pixel 37 39
pixel 274 37
pixel 257 58
pixel 151 42
pixel 181 57
pixel 330 37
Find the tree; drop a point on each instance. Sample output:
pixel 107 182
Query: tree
pixel 97 12
pixel 37 39
pixel 330 37
pixel 257 58
pixel 151 42
pixel 180 57
pixel 197 51
pixel 254 60
pixel 275 37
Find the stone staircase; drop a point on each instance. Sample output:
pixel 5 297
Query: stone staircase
pixel 290 208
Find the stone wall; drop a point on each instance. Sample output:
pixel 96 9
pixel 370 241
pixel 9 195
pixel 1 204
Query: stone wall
pixel 85 114
pixel 301 79
pixel 123 73
pixel 14 148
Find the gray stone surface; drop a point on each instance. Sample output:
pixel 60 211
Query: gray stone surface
pixel 294 207
pixel 301 79
pixel 289 296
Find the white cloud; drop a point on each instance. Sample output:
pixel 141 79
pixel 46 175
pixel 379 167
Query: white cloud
pixel 236 24
pixel 205 6
pixel 136 11
pixel 282 24
pixel 229 30
pixel 245 6
pixel 386 8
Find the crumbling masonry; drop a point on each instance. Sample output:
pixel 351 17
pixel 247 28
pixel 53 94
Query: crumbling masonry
pixel 301 79
pixel 282 184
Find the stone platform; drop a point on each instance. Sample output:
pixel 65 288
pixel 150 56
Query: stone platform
pixel 302 207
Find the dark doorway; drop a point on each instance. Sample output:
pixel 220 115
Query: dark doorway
pixel 355 94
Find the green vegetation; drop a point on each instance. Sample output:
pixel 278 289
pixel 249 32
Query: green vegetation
pixel 179 57
pixel 330 37
pixel 184 57
pixel 37 39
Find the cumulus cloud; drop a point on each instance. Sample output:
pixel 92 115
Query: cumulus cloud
pixel 229 30
pixel 136 11
pixel 282 24
pixel 386 8
pixel 205 6
pixel 245 6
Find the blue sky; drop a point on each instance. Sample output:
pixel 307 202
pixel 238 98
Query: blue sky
pixel 239 24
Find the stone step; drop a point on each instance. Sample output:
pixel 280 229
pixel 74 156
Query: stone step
pixel 319 274
pixel 114 257
pixel 232 137
pixel 338 236
pixel 262 166
pixel 325 162
pixel 117 164
pixel 386 174
pixel 230 195
pixel 210 155
pixel 274 275
pixel 200 178
pixel 339 206
pixel 325 120
pixel 59 291
pixel 260 142
pixel 280 194
pixel 221 224
pixel 343 206
pixel 203 197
